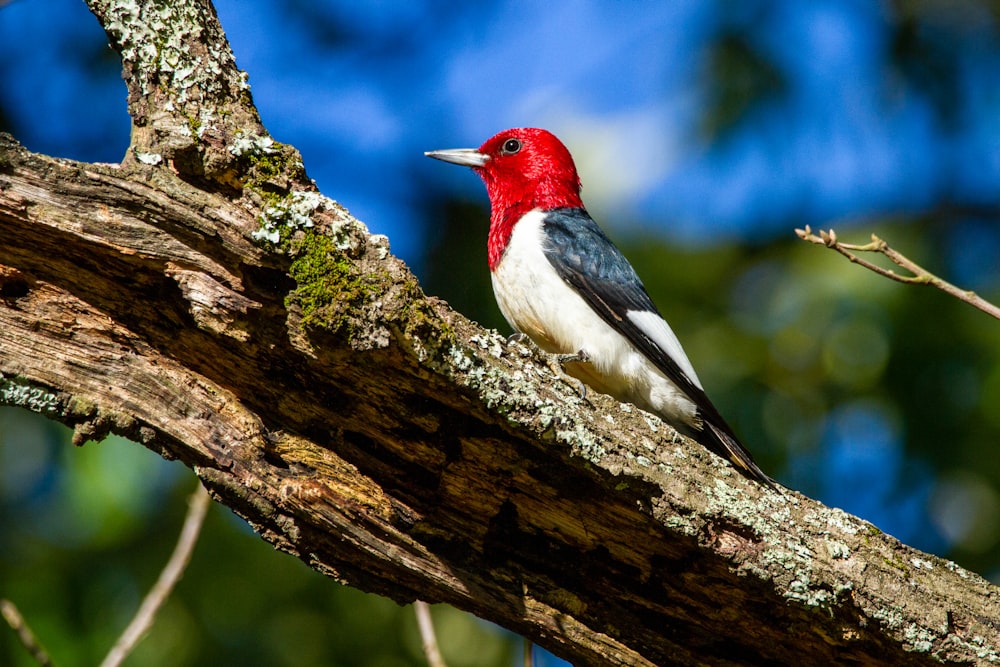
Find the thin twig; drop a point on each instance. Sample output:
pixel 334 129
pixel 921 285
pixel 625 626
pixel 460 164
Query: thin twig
pixel 427 636
pixel 921 276
pixel 529 656
pixel 171 574
pixel 28 640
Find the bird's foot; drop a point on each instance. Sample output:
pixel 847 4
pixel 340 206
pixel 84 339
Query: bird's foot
pixel 578 357
pixel 555 361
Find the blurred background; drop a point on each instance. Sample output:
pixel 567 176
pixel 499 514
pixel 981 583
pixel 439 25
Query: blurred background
pixel 705 132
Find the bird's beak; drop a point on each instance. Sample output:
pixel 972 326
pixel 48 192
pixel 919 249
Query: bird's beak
pixel 467 157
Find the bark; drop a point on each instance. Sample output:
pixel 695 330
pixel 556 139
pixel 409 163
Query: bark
pixel 386 440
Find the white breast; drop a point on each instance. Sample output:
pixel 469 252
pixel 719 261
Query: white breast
pixel 537 302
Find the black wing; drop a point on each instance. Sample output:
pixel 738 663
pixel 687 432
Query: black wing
pixel 609 284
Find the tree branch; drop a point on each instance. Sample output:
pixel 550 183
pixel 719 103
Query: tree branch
pixel 921 276
pixel 398 447
pixel 427 636
pixel 191 107
pixel 394 445
pixel 171 574
pixel 28 640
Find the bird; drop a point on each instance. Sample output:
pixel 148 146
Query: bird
pixel 560 280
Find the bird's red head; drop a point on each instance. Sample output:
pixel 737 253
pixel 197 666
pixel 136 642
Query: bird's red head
pixel 523 168
pixel 529 168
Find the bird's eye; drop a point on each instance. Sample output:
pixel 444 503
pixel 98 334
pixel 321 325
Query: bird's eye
pixel 511 146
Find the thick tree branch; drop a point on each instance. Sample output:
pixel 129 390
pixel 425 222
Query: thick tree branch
pixel 394 445
pixel 410 453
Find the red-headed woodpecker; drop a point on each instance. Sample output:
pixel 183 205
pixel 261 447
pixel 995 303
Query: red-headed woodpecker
pixel 559 279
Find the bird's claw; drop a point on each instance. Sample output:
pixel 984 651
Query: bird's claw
pixel 517 338
pixel 555 362
pixel 576 383
pixel 578 357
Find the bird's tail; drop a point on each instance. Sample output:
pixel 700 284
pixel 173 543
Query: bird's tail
pixel 721 441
